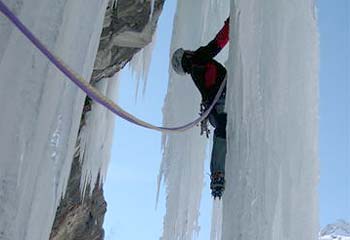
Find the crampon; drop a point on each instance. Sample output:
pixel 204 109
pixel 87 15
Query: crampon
pixel 217 184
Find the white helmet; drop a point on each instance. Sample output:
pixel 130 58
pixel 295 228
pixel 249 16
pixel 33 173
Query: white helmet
pixel 176 61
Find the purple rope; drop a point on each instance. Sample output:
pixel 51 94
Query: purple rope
pixel 36 42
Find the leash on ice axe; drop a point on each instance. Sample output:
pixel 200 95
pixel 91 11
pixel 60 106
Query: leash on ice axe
pixel 92 92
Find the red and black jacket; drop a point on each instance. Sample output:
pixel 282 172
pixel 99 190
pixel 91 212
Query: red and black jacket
pixel 205 71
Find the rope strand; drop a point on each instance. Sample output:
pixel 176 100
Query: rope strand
pixel 92 92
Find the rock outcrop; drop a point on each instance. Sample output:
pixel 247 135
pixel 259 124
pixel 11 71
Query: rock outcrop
pixel 78 218
pixel 128 27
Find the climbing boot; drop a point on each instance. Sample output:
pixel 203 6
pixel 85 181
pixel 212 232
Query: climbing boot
pixel 217 184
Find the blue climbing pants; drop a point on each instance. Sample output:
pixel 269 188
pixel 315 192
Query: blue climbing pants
pixel 218 119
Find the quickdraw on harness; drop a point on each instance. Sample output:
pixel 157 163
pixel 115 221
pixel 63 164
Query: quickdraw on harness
pixel 204 123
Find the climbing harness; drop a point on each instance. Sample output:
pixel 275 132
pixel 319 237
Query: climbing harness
pixel 92 92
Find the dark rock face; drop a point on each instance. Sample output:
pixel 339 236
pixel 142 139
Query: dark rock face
pixel 128 27
pixel 78 218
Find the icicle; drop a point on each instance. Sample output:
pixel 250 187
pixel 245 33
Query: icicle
pixel 182 168
pixel 96 137
pixel 140 65
pixel 41 110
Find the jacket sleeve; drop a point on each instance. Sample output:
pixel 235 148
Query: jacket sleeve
pixel 205 53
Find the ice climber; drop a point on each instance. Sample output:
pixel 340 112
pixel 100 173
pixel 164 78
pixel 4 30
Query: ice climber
pixel 208 74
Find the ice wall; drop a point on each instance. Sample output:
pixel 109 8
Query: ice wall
pixel 272 100
pixel 41 110
pixel 182 167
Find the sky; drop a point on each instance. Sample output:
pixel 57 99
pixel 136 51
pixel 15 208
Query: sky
pixel 131 184
pixel 334 143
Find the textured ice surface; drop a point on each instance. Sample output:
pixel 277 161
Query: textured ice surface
pixel 216 220
pixel 41 109
pixel 272 100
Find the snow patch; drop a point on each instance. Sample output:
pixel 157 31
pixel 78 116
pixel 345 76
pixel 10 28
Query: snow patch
pixel 152 9
pixel 340 228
